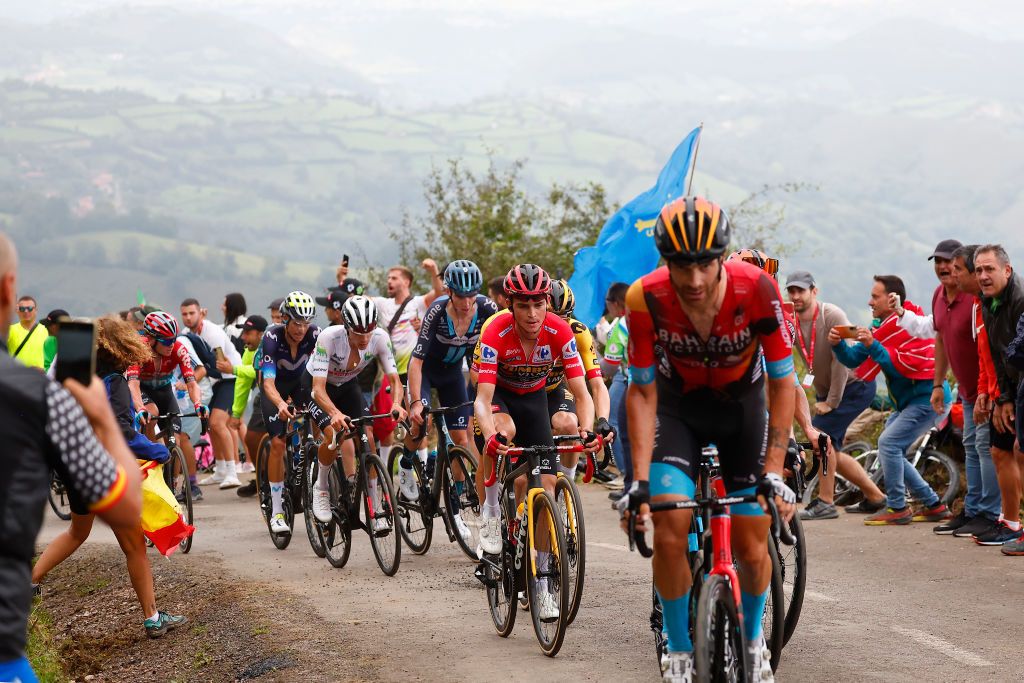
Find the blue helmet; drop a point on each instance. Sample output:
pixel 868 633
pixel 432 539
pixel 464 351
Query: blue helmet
pixel 463 277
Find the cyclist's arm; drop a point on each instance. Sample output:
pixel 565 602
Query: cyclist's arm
pixel 135 389
pixel 584 404
pixel 803 413
pixel 268 368
pixel 778 354
pixel 270 391
pixel 415 378
pixel 321 398
pixel 780 422
pixel 188 375
pixel 599 392
pixel 397 391
pixel 642 393
pixel 482 409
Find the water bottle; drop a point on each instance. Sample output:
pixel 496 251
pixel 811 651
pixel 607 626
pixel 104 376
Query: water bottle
pixel 431 459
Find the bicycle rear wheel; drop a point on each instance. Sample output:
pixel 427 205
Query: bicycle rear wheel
pixel 314 529
pixel 415 525
pixel 60 503
pixel 794 576
pixel 338 532
pixel 384 538
pixel 570 510
pixel 847 493
pixel 547 583
pixel 460 496
pixel 718 647
pixel 501 584
pixel 176 475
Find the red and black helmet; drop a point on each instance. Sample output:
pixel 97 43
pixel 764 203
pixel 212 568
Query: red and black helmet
pixel 160 325
pixel 526 281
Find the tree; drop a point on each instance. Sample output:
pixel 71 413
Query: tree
pixel 758 222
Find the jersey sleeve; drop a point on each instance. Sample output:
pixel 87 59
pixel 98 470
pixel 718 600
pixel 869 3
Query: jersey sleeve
pixel 641 335
pixel 565 340
pixel 429 329
pixel 132 372
pixel 772 328
pixel 485 358
pixel 92 476
pixel 320 360
pixel 586 348
pixel 386 354
pixel 268 366
pixel 184 362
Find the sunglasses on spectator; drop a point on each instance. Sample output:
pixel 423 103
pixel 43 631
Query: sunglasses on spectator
pixel 26 309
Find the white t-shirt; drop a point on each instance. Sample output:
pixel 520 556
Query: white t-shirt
pixel 205 385
pixel 330 359
pixel 404 335
pixel 216 338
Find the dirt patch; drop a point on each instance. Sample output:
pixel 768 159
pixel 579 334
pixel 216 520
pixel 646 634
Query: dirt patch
pixel 234 633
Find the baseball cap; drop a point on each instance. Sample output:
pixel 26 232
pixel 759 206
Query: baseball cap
pixel 254 322
pixel 276 304
pixel 801 279
pixel 335 298
pixel 945 249
pixel 53 316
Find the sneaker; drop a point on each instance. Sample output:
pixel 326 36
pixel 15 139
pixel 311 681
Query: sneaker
pixel 322 506
pixel 975 527
pixel 952 524
pixel 214 478
pixel 278 525
pixel 759 661
pixel 246 467
pixel 407 484
pixel 998 535
pixel 614 496
pixel 864 507
pixel 230 483
pixel 548 607
pixel 247 491
pixel 197 494
pixel 490 536
pixel 935 513
pixel 163 623
pixel 677 667
pixel 463 530
pixel 819 509
pixel 888 516
pixel 1015 547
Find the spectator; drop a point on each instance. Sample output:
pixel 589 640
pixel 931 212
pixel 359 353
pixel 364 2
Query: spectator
pixel 952 324
pixel 840 396
pixel 614 365
pixel 245 373
pixel 275 311
pixel 496 292
pixel 42 424
pixel 234 310
pixel 909 366
pixel 225 448
pixel 50 322
pixel 25 340
pixel 1002 304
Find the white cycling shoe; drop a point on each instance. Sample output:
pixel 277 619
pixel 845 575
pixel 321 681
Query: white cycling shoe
pixel 490 536
pixel 677 667
pixel 278 524
pixel 381 523
pixel 322 506
pixel 759 661
pixel 407 484
pixel 462 529
pixel 548 608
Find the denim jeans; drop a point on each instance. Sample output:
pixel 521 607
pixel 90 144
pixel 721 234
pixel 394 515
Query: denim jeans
pixel 620 447
pixel 901 430
pixel 983 497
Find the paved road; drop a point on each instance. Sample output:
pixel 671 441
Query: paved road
pixel 885 604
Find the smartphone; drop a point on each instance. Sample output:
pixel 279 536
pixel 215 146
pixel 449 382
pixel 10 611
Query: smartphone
pixel 76 351
pixel 344 260
pixel 219 352
pixel 847 331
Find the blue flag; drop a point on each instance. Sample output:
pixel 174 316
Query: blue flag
pixel 625 247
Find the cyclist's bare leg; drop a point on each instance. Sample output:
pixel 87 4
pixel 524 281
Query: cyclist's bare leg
pixel 749 534
pixel 63 546
pixel 503 423
pixel 671 542
pixel 461 438
pixel 854 473
pixel 563 423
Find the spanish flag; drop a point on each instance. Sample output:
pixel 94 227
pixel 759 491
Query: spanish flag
pixel 162 522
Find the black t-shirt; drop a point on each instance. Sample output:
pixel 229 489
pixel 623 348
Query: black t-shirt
pixel 41 428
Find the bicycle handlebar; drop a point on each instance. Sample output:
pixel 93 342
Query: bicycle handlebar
pixel 821 462
pixel 543 449
pixel 351 425
pixel 204 422
pixel 428 411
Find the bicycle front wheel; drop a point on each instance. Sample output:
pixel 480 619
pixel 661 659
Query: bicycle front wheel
pixel 381 520
pixel 338 534
pixel 501 584
pixel 314 530
pixel 718 648
pixel 461 500
pixel 59 500
pixel 794 576
pixel 414 524
pixel 773 621
pixel 547 575
pixel 176 472
pixel 570 509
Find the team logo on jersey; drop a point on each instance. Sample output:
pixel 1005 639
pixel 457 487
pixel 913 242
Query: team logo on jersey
pixel 488 354
pixel 542 354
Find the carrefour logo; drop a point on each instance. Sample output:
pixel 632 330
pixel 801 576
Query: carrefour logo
pixel 488 354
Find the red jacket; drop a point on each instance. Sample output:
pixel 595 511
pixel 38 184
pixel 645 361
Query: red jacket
pixel 986 369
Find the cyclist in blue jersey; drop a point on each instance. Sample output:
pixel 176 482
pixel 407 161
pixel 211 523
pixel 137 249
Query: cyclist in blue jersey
pixel 286 349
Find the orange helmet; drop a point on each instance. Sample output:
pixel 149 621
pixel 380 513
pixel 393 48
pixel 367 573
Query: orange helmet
pixel 691 229
pixel 766 263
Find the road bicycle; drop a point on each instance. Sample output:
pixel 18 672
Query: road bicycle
pixel 446 489
pixel 60 500
pixel 176 470
pixel 369 485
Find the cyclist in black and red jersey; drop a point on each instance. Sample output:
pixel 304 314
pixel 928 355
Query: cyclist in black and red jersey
pixel 698 330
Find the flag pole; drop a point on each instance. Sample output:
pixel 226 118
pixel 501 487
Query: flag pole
pixel 693 166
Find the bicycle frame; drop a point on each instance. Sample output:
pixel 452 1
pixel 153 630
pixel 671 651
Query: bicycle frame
pixel 443 460
pixel 356 432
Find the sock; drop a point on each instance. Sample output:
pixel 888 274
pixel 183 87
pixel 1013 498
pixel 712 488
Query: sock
pixel 491 507
pixel 460 487
pixel 676 616
pixel 1014 526
pixel 323 480
pixel 192 480
pixel 421 453
pixel 569 472
pixel 542 566
pixel 230 472
pixel 753 611
pixel 218 467
pixel 276 493
pixel 371 488
pixel 156 615
pixel 385 452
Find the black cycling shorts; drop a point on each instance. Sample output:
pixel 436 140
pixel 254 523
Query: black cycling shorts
pixel 347 397
pixel 738 426
pixel 296 391
pixel 529 413
pixel 165 400
pixel 560 400
pixel 451 391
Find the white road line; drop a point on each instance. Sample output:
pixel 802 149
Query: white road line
pixel 945 647
pixel 608 546
pixel 820 597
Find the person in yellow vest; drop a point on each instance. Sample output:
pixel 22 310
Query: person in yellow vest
pixel 25 340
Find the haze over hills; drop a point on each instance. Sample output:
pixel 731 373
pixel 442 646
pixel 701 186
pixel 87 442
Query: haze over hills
pixel 256 124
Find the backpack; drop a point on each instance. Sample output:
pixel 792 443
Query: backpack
pixel 206 355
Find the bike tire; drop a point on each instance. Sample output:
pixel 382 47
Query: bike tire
pixel 179 484
pixel 60 503
pixel 847 493
pixel 338 533
pixel 570 507
pixel 314 529
pixel 658 627
pixel 459 457
pixel 502 586
pixel 719 648
pixel 550 634
pixel 387 543
pixel 794 576
pixel 941 473
pixel 773 622
pixel 416 527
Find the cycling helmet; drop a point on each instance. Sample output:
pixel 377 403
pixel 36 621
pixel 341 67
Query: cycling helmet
pixel 298 306
pixel 766 263
pixel 160 325
pixel 561 297
pixel 463 277
pixel 359 314
pixel 690 230
pixel 527 280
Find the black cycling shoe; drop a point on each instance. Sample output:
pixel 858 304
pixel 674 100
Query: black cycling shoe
pixel 247 491
pixel 950 526
pixel 865 507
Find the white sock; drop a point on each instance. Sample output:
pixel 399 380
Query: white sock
pixel 569 472
pixel 230 472
pixel 371 488
pixel 156 615
pixel 218 467
pixel 542 566
pixel 1014 526
pixel 323 481
pixel 491 507
pixel 276 493
pixel 385 452
pixel 421 453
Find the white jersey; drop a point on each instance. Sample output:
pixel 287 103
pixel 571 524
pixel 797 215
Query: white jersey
pixel 331 357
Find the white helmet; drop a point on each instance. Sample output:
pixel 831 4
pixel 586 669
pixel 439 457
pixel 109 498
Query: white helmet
pixel 360 314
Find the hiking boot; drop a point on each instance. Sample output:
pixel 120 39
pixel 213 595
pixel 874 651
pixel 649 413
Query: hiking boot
pixel 935 513
pixel 951 525
pixel 975 527
pixel 888 516
pixel 864 507
pixel 998 535
pixel 163 623
pixel 819 509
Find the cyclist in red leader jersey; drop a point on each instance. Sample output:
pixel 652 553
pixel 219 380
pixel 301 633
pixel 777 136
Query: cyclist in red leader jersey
pixel 698 328
pixel 518 348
